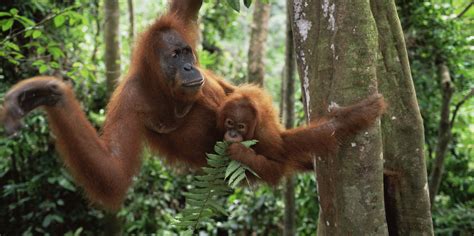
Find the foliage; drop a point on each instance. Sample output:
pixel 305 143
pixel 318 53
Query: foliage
pixel 37 194
pixel 458 220
pixel 434 35
pixel 202 201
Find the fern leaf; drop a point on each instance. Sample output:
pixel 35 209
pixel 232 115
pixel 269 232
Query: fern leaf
pixel 233 166
pixel 218 208
pixel 210 188
pixel 236 174
pixel 237 181
pixel 195 196
pixel 249 143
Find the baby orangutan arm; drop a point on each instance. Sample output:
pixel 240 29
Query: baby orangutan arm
pixel 267 169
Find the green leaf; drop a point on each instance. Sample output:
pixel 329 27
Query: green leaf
pixel 36 34
pixel 219 150
pixel 249 143
pixel 14 11
pixel 25 21
pixel 41 50
pixel 7 24
pixel 56 52
pixel 236 175
pixel 211 171
pixel 4 14
pixel 67 184
pixel 250 170
pixel 209 177
pixel 188 232
pixel 231 168
pixel 247 3
pixel 237 181
pixel 59 20
pixel 43 68
pixel 195 196
pixel 218 208
pixel 185 224
pixel 216 163
pixel 12 46
pixel 235 4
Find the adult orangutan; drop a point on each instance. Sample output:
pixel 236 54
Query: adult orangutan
pixel 165 100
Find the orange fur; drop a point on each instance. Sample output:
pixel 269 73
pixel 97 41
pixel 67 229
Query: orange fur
pixel 143 109
pixel 282 152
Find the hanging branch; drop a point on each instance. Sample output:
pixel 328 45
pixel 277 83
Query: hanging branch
pixel 459 104
pixel 465 10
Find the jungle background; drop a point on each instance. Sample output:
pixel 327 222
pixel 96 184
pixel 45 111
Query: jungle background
pixel 66 38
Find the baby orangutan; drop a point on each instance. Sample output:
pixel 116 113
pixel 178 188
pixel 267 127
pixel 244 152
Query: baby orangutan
pixel 248 113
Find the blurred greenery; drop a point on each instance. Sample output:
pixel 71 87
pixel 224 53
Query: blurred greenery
pixel 65 38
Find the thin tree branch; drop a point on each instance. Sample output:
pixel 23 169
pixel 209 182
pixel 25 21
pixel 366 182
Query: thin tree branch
pixel 97 33
pixel 131 13
pixel 459 104
pixel 465 10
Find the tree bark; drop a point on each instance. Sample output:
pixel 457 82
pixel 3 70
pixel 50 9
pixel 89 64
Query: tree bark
pixel 405 180
pixel 131 15
pixel 444 131
pixel 112 43
pixel 336 49
pixel 289 101
pixel 112 71
pixel 258 38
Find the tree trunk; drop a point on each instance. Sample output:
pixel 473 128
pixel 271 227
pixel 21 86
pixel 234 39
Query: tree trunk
pixel 258 38
pixel 112 43
pixel 131 14
pixel 113 224
pixel 444 131
pixel 336 48
pixel 405 180
pixel 289 101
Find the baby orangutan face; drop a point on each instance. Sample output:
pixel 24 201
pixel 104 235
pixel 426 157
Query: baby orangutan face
pixel 238 119
pixel 235 131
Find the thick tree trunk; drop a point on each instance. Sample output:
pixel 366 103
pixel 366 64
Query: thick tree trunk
pixel 444 131
pixel 336 48
pixel 258 38
pixel 289 101
pixel 405 180
pixel 112 43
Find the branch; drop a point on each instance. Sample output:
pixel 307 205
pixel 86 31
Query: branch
pixel 42 22
pixel 459 104
pixel 465 10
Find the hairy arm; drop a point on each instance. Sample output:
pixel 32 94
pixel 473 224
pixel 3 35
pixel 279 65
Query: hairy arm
pixel 188 9
pixel 324 136
pixel 103 166
pixel 268 170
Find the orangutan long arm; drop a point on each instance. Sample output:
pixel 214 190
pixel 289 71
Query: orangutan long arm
pixel 103 166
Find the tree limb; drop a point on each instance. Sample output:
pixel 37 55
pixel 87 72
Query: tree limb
pixel 465 10
pixel 459 104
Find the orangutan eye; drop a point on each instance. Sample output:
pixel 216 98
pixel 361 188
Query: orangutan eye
pixel 229 123
pixel 241 127
pixel 175 53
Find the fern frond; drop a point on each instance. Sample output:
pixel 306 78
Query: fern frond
pixel 214 185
